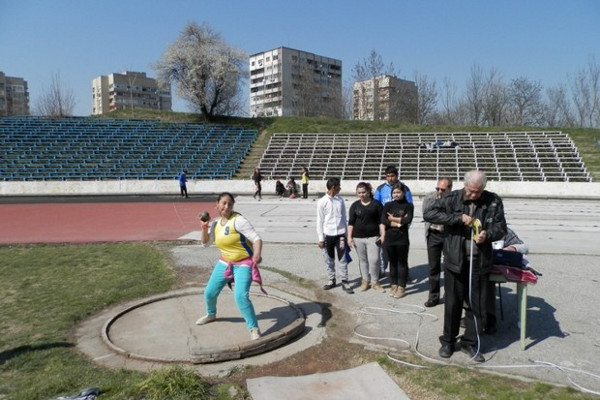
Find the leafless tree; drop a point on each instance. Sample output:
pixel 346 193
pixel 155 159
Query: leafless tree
pixel 56 100
pixel 206 71
pixel 585 90
pixel 449 102
pixel 557 110
pixel 426 98
pixel 371 67
pixel 494 99
pixel 525 100
pixel 475 94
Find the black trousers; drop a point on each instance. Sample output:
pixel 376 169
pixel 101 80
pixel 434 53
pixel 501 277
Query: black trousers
pixel 456 287
pixel 183 190
pixel 398 259
pixel 435 246
pixel 305 190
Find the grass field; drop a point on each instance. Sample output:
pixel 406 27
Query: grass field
pixel 46 290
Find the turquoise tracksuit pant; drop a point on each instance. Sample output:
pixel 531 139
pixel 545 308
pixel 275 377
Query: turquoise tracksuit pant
pixel 242 275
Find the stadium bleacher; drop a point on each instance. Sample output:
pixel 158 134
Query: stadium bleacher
pixel 504 156
pixel 79 148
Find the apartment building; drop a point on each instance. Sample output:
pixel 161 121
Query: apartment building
pixel 14 96
pixel 130 91
pixel 288 82
pixel 385 98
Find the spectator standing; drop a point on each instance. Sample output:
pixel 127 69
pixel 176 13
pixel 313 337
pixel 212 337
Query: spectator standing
pixel 240 248
pixel 257 178
pixel 473 219
pixel 363 235
pixel 434 238
pixel 304 179
pixel 383 194
pixel 395 221
pixel 182 177
pixel 331 234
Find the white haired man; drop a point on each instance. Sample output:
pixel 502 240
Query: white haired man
pixel 473 218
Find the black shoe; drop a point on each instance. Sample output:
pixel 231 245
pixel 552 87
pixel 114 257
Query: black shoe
pixel 446 350
pixel 329 285
pixel 431 303
pixel 347 288
pixel 472 353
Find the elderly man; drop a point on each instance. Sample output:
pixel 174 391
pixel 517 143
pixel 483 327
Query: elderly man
pixel 434 238
pixel 473 218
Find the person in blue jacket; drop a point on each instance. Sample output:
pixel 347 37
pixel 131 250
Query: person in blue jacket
pixel 182 183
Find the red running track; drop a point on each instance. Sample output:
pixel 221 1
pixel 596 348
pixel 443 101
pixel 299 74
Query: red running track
pixel 98 222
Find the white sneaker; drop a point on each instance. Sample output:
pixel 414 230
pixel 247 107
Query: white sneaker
pixel 254 334
pixel 206 319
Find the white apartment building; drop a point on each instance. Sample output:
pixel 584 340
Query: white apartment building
pixel 129 90
pixel 385 98
pixel 288 82
pixel 14 96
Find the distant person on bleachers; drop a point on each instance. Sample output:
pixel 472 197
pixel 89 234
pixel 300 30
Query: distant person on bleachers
pixel 257 177
pixel 304 180
pixel 383 194
pixel 279 188
pixel 183 183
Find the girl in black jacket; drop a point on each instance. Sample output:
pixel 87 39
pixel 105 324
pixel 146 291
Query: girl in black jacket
pixel 395 221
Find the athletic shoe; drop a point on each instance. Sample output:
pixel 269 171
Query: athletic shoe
pixel 346 287
pixel 364 285
pixel 399 293
pixel 329 285
pixel 254 334
pixel 206 319
pixel 393 290
pixel 377 286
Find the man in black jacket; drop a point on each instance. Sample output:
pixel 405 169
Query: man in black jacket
pixel 473 219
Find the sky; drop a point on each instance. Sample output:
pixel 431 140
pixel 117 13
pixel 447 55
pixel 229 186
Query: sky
pixel 542 40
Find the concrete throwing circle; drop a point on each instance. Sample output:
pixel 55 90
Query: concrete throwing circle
pixel 163 329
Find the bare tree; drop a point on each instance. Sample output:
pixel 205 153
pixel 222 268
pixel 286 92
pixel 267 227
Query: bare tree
pixel 371 67
pixel 474 94
pixel 426 98
pixel 585 90
pixel 494 99
pixel 557 110
pixel 525 98
pixel 56 100
pixel 206 71
pixel 449 102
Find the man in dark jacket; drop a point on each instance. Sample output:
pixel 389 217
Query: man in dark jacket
pixel 434 238
pixel 473 219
